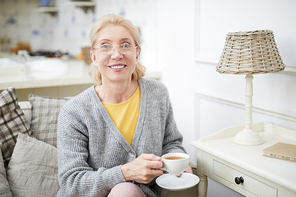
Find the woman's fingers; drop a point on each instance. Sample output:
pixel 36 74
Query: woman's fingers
pixel 150 157
pixel 151 161
pixel 143 169
pixel 188 170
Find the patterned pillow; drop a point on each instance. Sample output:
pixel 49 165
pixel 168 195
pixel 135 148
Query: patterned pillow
pixel 45 111
pixel 12 121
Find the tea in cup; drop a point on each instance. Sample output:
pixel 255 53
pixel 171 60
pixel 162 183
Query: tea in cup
pixel 175 163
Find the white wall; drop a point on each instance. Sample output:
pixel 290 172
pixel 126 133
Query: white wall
pixel 184 39
pixel 214 19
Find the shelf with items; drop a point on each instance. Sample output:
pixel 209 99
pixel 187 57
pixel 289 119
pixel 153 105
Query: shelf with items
pixel 48 9
pixel 84 5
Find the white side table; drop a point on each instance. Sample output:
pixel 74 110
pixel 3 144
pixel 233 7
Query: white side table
pixel 219 158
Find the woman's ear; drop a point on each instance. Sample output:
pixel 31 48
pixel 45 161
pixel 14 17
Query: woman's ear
pixel 138 52
pixel 93 57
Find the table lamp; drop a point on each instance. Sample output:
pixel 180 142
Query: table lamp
pixel 248 53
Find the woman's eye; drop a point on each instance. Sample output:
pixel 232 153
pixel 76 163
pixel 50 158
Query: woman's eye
pixel 125 45
pixel 105 46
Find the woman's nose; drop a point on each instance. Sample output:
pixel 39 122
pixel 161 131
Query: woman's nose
pixel 116 53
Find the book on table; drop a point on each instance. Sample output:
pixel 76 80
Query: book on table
pixel 282 151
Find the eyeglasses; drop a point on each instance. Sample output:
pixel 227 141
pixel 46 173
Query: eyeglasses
pixel 106 49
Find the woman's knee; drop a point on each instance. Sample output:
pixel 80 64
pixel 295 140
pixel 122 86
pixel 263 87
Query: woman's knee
pixel 126 189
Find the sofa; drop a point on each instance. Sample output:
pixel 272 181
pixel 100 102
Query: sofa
pixel 28 163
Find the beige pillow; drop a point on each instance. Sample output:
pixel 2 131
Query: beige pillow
pixel 33 168
pixel 4 185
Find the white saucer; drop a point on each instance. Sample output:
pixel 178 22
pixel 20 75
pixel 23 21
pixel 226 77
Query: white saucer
pixel 174 183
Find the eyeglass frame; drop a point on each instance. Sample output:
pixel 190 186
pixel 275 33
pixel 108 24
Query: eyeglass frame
pixel 113 49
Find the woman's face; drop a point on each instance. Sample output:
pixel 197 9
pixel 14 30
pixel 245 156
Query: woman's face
pixel 115 67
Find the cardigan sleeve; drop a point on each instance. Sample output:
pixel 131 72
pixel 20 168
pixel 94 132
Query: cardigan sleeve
pixel 162 135
pixel 76 176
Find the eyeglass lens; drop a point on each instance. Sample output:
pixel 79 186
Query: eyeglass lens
pixel 123 49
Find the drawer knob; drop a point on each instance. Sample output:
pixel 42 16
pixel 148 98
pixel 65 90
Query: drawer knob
pixel 239 180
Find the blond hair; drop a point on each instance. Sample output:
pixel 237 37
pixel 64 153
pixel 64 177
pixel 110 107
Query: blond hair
pixel 115 20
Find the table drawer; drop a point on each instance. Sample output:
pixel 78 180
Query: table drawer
pixel 250 184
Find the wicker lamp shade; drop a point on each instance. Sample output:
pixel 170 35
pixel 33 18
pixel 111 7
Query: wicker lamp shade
pixel 250 52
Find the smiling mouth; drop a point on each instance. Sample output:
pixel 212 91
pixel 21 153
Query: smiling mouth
pixel 117 67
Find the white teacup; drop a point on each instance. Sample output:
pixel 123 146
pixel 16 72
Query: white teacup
pixel 175 163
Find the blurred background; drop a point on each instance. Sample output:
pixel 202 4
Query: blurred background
pixel 65 28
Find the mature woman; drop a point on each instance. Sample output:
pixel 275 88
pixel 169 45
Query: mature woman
pixel 111 136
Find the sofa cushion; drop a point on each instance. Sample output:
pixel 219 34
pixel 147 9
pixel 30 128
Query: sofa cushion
pixel 4 185
pixel 45 111
pixel 12 121
pixel 33 168
pixel 26 108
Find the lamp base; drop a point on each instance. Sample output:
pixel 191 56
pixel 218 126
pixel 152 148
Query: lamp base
pixel 247 137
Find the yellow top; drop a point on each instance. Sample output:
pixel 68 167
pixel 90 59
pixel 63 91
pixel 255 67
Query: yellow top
pixel 125 115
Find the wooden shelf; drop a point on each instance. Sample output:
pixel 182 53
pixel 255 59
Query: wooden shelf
pixel 84 5
pixel 51 10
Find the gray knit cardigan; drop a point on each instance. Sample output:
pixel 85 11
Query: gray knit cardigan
pixel 91 150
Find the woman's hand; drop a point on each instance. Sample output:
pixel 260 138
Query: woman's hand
pixel 143 169
pixel 188 170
